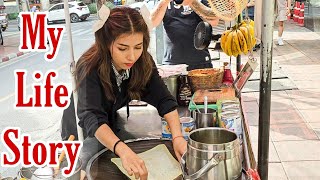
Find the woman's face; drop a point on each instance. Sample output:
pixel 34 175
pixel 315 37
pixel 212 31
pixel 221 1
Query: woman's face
pixel 126 50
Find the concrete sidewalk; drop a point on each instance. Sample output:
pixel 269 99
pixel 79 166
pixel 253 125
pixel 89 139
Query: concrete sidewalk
pixel 10 48
pixel 295 124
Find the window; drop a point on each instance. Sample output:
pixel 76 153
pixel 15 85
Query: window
pixel 57 7
pixel 81 4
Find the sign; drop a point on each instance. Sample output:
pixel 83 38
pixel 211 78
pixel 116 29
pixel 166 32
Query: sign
pixel 245 74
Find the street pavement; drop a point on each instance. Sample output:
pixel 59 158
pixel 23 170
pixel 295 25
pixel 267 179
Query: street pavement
pixel 294 145
pixel 295 123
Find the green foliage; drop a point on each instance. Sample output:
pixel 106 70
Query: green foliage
pixel 13 16
pixel 93 8
pixel 110 5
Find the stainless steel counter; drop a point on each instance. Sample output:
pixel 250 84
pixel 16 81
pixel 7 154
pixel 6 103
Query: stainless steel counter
pixel 144 121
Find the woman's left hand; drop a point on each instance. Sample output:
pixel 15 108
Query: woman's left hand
pixel 179 146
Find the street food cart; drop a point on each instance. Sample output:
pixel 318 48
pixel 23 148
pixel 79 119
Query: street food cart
pixel 96 166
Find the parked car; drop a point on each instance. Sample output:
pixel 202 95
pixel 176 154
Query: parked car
pixel 78 11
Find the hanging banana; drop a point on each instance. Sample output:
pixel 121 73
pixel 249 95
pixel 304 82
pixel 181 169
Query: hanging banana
pixel 239 39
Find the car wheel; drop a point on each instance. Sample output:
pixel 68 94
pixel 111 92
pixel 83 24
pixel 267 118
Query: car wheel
pixel 74 18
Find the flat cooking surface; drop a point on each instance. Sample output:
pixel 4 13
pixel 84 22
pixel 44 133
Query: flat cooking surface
pixel 102 168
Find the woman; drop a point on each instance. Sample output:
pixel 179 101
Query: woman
pixel 115 70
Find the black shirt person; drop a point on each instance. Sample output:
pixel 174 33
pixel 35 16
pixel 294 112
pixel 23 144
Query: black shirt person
pixel 116 69
pixel 179 24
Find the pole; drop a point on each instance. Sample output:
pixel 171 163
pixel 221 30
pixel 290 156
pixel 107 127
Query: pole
pixel 72 66
pixel 239 19
pixel 265 86
pixel 25 6
pixel 159 43
pixel 159 40
pixel 45 4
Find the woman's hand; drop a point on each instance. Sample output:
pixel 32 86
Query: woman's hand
pixel 179 146
pixel 131 162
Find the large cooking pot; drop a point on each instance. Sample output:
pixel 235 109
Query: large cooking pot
pixel 212 153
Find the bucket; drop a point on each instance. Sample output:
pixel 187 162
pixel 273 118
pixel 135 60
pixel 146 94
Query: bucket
pixel 203 120
pixel 212 153
pixel 28 173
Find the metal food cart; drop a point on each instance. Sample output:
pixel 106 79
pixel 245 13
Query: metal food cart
pixel 265 89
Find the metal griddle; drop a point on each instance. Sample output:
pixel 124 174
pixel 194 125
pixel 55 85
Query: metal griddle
pixel 100 166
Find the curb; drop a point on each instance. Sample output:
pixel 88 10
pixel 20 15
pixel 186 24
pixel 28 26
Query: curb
pixel 11 56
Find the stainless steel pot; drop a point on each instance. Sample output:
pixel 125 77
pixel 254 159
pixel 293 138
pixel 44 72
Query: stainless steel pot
pixel 28 173
pixel 172 84
pixel 212 153
pixel 203 120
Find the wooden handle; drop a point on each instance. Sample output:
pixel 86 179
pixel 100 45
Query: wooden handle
pixel 61 157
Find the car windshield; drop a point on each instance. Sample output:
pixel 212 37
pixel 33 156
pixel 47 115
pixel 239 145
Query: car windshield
pixel 81 4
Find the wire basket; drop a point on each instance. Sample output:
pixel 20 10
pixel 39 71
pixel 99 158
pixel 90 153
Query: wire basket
pixel 206 78
pixel 227 10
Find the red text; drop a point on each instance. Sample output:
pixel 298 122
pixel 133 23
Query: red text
pixel 45 94
pixel 28 153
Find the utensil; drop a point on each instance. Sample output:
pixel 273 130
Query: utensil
pixel 42 173
pixel 203 120
pixel 195 105
pixel 205 104
pixel 61 157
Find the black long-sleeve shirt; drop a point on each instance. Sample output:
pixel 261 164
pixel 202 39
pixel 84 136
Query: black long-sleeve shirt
pixel 94 109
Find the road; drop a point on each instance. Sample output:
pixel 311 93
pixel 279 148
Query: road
pixel 41 124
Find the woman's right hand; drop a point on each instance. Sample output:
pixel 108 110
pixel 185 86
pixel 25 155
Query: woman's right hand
pixel 131 162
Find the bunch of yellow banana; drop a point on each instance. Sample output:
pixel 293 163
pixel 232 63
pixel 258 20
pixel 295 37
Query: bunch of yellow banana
pixel 239 39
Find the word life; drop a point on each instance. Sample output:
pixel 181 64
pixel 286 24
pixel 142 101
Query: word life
pixel 45 94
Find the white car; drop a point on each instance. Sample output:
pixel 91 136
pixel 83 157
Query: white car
pixel 78 11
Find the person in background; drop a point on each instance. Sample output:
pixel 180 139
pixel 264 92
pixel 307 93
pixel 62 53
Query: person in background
pixel 37 8
pixel 33 9
pixel 116 69
pixel 283 10
pixel 180 22
pixel 250 7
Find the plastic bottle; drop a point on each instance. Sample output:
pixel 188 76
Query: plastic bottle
pixel 227 76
